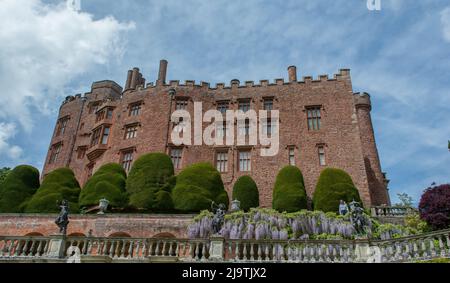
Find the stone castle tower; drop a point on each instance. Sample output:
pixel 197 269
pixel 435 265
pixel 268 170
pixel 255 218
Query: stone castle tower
pixel 323 123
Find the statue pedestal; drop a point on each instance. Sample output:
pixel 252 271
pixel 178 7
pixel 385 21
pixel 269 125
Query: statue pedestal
pixel 216 248
pixel 57 246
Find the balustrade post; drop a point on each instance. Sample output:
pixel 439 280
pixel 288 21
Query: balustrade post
pixel 216 248
pixel 57 246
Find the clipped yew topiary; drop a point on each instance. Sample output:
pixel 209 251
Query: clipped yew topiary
pixel 109 183
pixel 334 185
pixel 289 194
pixel 150 182
pixel 17 189
pixel 246 191
pixel 58 185
pixel 197 187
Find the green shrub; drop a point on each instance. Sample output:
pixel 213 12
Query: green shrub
pixel 109 183
pixel 58 185
pixel 246 191
pixel 151 174
pixel 334 185
pixel 17 189
pixel 197 187
pixel 289 194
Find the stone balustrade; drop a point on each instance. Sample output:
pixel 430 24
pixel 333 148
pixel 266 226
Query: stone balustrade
pixel 308 251
pixel 415 248
pixel 90 249
pixel 141 249
pixel 391 211
pixel 35 247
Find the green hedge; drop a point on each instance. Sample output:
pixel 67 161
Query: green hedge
pixel 17 189
pixel 334 185
pixel 289 193
pixel 197 187
pixel 246 191
pixel 151 176
pixel 109 183
pixel 58 185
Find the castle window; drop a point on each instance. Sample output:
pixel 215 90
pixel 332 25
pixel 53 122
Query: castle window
pixel 222 161
pixel 221 129
pixel 56 150
pixel 131 132
pixel 244 130
pixel 81 152
pixel 321 151
pixel 181 105
pixel 244 105
pixel 105 135
pixel 175 155
pixel 127 160
pixel 222 107
pixel 62 124
pixel 268 104
pixel 101 132
pixel 106 113
pixel 292 156
pixel 267 127
pixel 244 161
pixel 100 116
pixel 109 113
pixel 314 118
pixel 135 109
pixel 96 136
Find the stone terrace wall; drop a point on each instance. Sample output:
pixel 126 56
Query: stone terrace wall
pixel 123 225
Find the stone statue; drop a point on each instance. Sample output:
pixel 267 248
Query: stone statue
pixel 343 208
pixel 74 254
pixel 219 216
pixel 103 206
pixel 235 205
pixel 63 218
pixel 357 218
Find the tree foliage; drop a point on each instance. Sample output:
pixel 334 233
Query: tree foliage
pixel 434 206
pixel 150 182
pixel 57 186
pixel 334 185
pixel 289 192
pixel 197 187
pixel 246 191
pixel 17 188
pixel 109 183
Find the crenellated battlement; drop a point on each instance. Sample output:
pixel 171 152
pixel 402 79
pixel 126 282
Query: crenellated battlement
pixel 136 82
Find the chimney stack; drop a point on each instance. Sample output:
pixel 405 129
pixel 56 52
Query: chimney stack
pixel 292 71
pixel 128 83
pixel 134 78
pixel 162 72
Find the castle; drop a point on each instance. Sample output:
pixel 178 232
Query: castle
pixel 322 123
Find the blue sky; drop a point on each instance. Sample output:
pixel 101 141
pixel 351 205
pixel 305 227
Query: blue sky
pixel 400 55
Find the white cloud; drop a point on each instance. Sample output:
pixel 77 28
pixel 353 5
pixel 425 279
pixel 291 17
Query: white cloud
pixel 7 132
pixel 445 20
pixel 44 47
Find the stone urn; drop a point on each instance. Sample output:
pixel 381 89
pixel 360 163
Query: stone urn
pixel 235 205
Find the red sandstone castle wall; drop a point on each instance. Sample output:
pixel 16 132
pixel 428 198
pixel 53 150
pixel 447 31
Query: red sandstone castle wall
pixel 346 131
pixel 108 225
